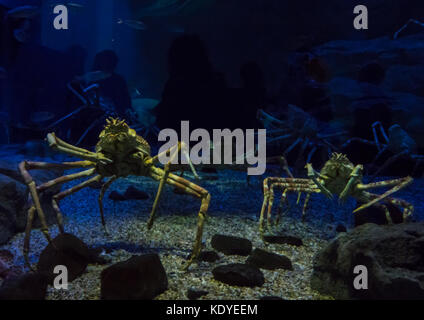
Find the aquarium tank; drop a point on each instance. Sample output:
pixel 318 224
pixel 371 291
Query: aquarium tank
pixel 206 150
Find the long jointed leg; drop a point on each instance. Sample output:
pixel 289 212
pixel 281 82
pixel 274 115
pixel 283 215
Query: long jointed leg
pixel 283 201
pixel 24 168
pixel 408 209
pixel 58 197
pixel 28 228
pixel 397 184
pixel 266 191
pixel 174 153
pixel 196 191
pixel 100 199
pixel 305 206
pixel 60 145
pixel 286 184
pixel 366 197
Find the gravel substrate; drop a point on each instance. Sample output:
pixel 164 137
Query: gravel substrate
pixel 234 211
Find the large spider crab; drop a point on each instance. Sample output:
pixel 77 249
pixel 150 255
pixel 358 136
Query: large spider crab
pixel 339 177
pixel 120 152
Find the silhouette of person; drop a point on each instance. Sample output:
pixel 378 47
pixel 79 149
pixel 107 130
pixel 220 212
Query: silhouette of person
pixel 193 91
pixel 114 87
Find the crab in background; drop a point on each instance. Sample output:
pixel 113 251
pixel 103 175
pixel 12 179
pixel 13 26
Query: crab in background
pixel 299 129
pixel 398 142
pixel 340 177
pixel 120 152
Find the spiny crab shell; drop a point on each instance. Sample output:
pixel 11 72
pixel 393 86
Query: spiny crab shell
pixel 117 138
pixel 337 170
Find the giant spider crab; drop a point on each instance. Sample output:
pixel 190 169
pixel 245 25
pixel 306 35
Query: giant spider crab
pixel 299 130
pixel 339 176
pixel 120 152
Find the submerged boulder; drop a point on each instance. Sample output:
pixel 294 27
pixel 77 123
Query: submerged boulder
pixel 268 260
pixel 139 278
pixel 30 286
pixel 238 274
pixel 284 239
pixel 230 245
pixel 69 251
pixel 392 254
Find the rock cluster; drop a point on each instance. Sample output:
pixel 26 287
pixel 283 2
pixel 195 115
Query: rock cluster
pixel 392 254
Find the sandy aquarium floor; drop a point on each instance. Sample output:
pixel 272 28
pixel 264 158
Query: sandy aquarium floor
pixel 234 210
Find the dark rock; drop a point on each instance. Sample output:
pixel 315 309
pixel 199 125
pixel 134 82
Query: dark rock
pixel 195 294
pixel 270 298
pixel 230 245
pixel 116 196
pixel 139 278
pixel 31 286
pixel 132 193
pixel 12 199
pixel 341 228
pixel 268 260
pixel 238 274
pixel 66 250
pixel 291 240
pixel 392 254
pixel 208 256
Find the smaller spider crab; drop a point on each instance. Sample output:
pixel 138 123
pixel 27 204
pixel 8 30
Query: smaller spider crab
pixel 397 142
pixel 119 153
pixel 340 177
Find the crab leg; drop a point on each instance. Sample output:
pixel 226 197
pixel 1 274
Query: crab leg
pixel 28 228
pixel 182 147
pixel 398 184
pixel 287 184
pixel 369 196
pixel 305 206
pixel 66 148
pixel 162 182
pixel 58 197
pixel 408 208
pixel 196 191
pixel 313 175
pixel 100 200
pixel 25 166
pixel 353 176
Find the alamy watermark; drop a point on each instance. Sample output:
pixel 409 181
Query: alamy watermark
pixel 218 150
pixel 61 280
pixel 360 282
pixel 361 20
pixel 60 22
